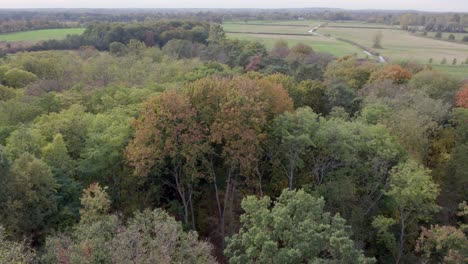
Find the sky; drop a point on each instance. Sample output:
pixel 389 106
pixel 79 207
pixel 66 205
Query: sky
pixel 423 5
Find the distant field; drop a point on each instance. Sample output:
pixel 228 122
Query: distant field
pixel 318 43
pixel 400 45
pixel 37 35
pixel 271 34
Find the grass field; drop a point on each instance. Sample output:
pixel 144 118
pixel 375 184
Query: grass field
pixel 38 35
pixel 400 45
pixel 318 43
pixel 271 34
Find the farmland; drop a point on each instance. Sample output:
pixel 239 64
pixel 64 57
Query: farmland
pixel 38 35
pixel 268 35
pixel 337 38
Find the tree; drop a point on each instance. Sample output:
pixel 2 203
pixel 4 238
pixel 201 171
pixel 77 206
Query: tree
pixel 18 78
pixel 90 238
pixel 179 49
pixel 55 154
pixel 24 140
pixel 414 196
pixel 442 244
pixel 168 131
pixel 350 71
pixel 148 237
pixel 156 237
pixel 454 62
pixel 32 202
pixel 461 99
pixel 435 84
pixel 216 33
pixel 451 37
pixel 294 230
pixel 377 40
pixel 293 133
pixel 280 49
pixel 15 252
pixel 118 49
pixel 396 73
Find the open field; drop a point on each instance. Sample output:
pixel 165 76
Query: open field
pixel 270 34
pixel 400 45
pixel 38 35
pixel 318 43
pixel 277 29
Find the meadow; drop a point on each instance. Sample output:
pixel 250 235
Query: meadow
pixel 38 35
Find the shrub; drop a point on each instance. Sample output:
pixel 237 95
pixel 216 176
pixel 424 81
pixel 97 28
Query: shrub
pixel 451 37
pixel 465 39
pixel 444 61
pixel 438 35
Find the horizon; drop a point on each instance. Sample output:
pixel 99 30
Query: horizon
pixel 436 6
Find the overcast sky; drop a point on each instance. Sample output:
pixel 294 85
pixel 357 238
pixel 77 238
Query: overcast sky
pixel 424 5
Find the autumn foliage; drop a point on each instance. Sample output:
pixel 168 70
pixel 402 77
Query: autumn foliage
pixel 462 97
pixel 396 73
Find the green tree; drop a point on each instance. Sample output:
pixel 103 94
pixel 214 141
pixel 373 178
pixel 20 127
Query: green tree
pixel 18 78
pixel 32 202
pixel 293 133
pixel 414 195
pixel 24 140
pixel 118 49
pixel 294 230
pixel 55 154
pixel 216 33
pixel 90 238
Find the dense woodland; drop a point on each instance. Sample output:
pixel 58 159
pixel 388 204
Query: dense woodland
pixel 165 142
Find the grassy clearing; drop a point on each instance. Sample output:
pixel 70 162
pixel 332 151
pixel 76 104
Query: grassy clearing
pixel 400 45
pixel 37 35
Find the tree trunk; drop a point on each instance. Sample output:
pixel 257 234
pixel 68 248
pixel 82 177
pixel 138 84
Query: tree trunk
pixel 402 239
pixel 191 208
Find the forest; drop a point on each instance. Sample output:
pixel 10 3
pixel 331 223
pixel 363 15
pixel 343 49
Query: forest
pixel 164 141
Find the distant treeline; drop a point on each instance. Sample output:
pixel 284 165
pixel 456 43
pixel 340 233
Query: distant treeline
pixel 101 35
pixel 9 26
pixel 448 22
